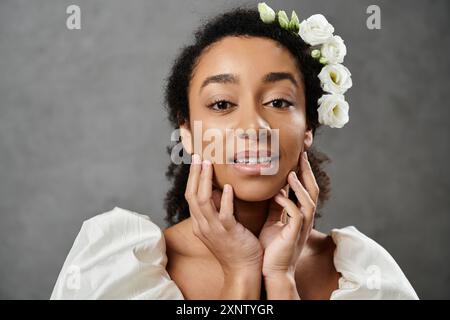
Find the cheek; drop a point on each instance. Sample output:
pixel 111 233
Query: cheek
pixel 291 141
pixel 208 132
pixel 292 137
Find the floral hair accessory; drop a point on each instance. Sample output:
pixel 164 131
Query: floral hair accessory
pixel 329 50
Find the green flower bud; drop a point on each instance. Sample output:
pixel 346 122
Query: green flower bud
pixel 315 53
pixel 283 19
pixel 323 60
pixel 294 24
pixel 266 13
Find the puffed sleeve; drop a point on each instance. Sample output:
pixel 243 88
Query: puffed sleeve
pixel 368 270
pixel 118 254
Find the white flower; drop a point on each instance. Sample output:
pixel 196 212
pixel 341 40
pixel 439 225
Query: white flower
pixel 335 78
pixel 333 110
pixel 266 13
pixel 334 50
pixel 316 30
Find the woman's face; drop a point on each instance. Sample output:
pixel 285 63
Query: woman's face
pixel 248 83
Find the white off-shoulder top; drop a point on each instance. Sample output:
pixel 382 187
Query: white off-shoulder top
pixel 121 254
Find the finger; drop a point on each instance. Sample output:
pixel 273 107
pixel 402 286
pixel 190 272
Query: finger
pixel 299 162
pixel 192 187
pixel 226 214
pixel 307 206
pixel 296 217
pixel 286 189
pixel 279 215
pixel 204 194
pixel 308 178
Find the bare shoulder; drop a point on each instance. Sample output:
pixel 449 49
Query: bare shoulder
pixel 316 276
pixel 174 237
pixel 197 277
pixel 181 241
pixel 321 243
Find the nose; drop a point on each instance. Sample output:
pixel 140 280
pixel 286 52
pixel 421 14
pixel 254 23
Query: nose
pixel 253 128
pixel 252 119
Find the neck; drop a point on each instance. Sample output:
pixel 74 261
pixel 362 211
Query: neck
pixel 252 215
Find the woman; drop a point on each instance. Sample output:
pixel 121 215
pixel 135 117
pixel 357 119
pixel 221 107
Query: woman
pixel 236 232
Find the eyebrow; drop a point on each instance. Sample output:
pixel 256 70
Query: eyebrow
pixel 271 77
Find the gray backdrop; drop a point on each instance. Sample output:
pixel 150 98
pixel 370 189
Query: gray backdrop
pixel 83 129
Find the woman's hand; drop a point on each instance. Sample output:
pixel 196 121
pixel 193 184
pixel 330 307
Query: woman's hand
pixel 283 243
pixel 237 249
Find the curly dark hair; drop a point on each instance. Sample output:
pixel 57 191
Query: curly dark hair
pixel 237 22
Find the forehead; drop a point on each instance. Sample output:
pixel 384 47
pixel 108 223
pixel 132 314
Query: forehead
pixel 248 57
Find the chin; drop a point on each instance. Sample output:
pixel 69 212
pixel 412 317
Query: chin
pixel 253 196
pixel 254 189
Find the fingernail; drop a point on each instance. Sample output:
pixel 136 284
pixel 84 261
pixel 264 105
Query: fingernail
pixel 196 158
pixel 226 188
pixel 206 164
pixel 305 156
pixel 293 175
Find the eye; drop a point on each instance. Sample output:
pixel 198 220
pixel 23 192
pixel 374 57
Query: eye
pixel 220 105
pixel 279 103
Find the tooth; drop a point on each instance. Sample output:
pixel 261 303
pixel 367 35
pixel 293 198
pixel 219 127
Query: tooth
pixel 253 160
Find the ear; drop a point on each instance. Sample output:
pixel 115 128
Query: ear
pixel 308 140
pixel 186 137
